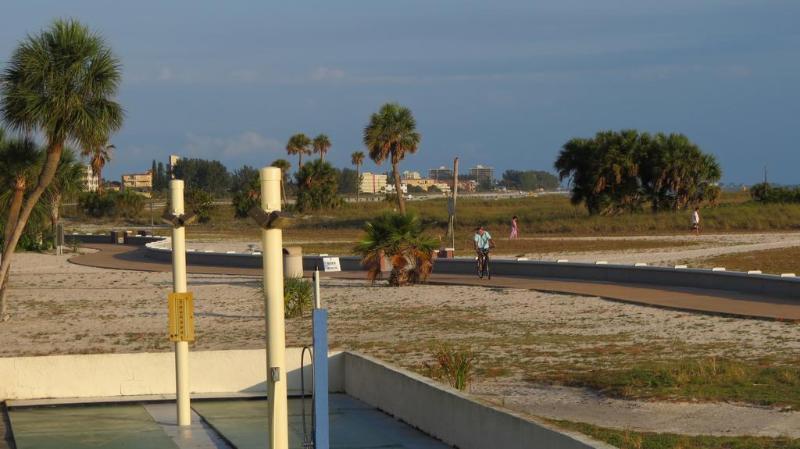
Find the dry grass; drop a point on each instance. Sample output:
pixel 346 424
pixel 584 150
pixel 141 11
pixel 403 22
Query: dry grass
pixel 775 261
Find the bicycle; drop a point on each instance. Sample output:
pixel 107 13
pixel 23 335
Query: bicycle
pixel 483 264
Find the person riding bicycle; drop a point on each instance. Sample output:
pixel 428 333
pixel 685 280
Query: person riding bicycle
pixel 483 241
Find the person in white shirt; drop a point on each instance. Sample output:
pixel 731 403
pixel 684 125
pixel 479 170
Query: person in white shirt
pixel 696 220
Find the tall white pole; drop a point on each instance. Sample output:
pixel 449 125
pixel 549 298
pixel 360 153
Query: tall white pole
pixel 179 286
pixel 272 256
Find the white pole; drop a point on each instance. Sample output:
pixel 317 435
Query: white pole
pixel 272 256
pixel 179 286
pixel 317 299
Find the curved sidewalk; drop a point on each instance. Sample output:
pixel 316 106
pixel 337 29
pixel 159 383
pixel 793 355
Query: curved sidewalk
pixel 125 257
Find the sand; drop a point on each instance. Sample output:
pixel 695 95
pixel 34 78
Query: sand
pixel 61 308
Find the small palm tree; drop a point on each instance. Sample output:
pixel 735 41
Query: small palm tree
pixel 18 161
pixel 399 237
pixel 357 158
pixel 99 155
pixel 299 144
pixel 59 83
pixel 390 134
pixel 321 145
pixel 317 186
pixel 68 182
pixel 284 165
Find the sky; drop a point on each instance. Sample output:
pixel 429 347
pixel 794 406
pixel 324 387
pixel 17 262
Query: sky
pixel 503 83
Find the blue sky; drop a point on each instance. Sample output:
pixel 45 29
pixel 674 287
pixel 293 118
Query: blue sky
pixel 501 83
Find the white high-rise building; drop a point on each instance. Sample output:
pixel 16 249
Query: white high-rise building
pixel 91 182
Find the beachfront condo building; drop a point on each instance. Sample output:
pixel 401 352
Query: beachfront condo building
pixel 481 173
pixel 372 183
pixel 440 174
pixel 91 182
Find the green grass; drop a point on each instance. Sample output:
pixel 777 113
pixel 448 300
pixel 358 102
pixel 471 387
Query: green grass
pixel 543 215
pixel 625 439
pixel 775 261
pixel 707 379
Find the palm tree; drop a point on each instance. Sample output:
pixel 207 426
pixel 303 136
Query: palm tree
pixel 299 144
pixel 321 145
pixel 99 155
pixel 399 237
pixel 18 160
pixel 390 134
pixel 67 182
pixel 284 165
pixel 60 84
pixel 357 158
pixel 317 186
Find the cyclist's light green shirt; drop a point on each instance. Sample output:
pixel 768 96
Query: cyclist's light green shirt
pixel 482 241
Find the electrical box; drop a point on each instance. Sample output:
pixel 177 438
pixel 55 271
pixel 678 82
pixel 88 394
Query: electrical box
pixel 181 317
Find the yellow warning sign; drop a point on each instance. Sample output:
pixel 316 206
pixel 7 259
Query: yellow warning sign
pixel 181 317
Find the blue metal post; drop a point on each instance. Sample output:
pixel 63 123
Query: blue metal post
pixel 321 422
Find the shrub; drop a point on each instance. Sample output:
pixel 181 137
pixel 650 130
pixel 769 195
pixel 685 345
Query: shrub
pixel 126 204
pixel 456 366
pixel 317 187
pixel 201 203
pixel 296 297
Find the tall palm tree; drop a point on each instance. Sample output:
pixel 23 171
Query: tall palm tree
pixel 299 144
pixel 321 145
pixel 59 83
pixel 99 155
pixel 284 165
pixel 390 134
pixel 357 158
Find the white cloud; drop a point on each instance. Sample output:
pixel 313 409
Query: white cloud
pixel 327 74
pixel 244 144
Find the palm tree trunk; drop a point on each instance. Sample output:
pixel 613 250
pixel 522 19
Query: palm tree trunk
pixel 401 203
pixel 322 156
pixel 299 161
pixel 358 183
pixel 13 216
pixel 99 180
pixel 45 178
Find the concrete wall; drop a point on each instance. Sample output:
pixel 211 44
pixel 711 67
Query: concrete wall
pixel 447 414
pixel 87 238
pixel 108 375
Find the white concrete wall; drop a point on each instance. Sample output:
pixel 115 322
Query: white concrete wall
pixel 449 415
pixel 108 375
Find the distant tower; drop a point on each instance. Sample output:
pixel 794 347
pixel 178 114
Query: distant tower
pixel 173 161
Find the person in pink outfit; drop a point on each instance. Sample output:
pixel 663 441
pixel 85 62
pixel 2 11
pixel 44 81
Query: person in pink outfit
pixel 514 228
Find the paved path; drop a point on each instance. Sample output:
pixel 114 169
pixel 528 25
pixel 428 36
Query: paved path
pixel 701 300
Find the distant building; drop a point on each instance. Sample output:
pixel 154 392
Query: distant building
pixel 411 175
pixel 467 186
pixel 481 173
pixel 138 181
pixel 173 161
pixel 114 185
pixel 390 188
pixel 427 183
pixel 91 182
pixel 440 174
pixel 372 183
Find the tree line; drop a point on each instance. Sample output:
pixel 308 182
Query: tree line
pixel 624 171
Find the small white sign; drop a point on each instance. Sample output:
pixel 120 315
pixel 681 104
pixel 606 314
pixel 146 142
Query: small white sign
pixel 331 264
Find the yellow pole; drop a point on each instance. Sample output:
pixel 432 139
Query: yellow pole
pixel 272 257
pixel 179 286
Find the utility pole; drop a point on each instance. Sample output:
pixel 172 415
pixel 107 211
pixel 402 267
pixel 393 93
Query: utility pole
pixel 180 304
pixel 272 258
pixel 451 224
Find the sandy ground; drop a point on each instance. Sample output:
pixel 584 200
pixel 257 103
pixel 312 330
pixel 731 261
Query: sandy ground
pixel 61 308
pixel 708 246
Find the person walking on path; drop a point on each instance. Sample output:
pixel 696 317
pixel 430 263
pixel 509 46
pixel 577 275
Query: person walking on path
pixel 696 220
pixel 514 228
